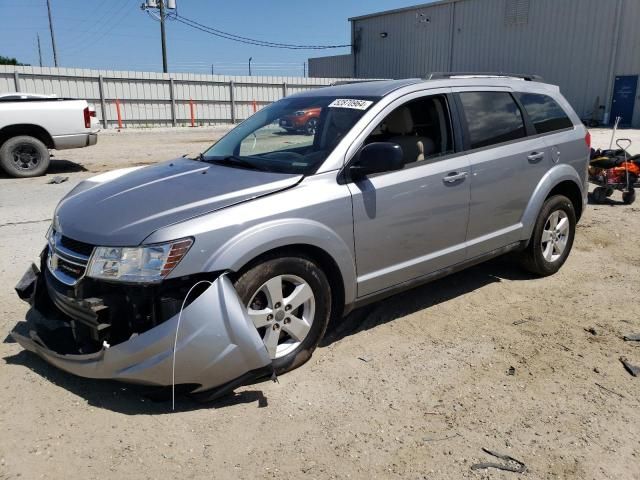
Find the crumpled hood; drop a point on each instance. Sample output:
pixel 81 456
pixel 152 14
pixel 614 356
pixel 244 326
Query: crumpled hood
pixel 114 210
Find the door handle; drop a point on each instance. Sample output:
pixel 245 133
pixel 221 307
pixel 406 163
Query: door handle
pixel 535 157
pixel 455 177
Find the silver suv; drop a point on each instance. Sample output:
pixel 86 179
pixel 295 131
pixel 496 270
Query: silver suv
pixel 219 270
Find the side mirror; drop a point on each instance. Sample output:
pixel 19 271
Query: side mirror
pixel 377 157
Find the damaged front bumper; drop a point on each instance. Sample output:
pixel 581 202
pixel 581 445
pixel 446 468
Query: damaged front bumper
pixel 217 344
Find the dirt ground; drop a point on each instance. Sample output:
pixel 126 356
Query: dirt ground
pixel 412 387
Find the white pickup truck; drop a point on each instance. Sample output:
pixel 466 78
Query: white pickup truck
pixel 31 124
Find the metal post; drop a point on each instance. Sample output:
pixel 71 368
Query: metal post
pixel 233 101
pixel 304 69
pixel 173 103
pixel 16 80
pixel 39 51
pixel 284 89
pixel 250 58
pixel 103 103
pixel 163 37
pixel 53 39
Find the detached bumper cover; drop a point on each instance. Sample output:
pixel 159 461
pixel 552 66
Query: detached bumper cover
pixel 217 344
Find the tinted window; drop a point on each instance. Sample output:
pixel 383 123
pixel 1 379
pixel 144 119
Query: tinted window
pixel 492 117
pixel 545 114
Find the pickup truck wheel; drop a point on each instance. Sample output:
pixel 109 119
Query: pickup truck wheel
pixel 24 156
pixel 552 237
pixel 289 301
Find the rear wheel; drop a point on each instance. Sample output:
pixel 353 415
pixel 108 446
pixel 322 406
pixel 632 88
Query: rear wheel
pixel 629 197
pixel 24 156
pixel 289 301
pixel 552 237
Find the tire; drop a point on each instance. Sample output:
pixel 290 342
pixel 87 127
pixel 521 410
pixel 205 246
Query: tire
pixel 290 273
pixel 599 195
pixel 537 258
pixel 310 126
pixel 629 197
pixel 24 156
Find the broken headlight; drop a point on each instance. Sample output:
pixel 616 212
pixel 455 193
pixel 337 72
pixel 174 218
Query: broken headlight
pixel 148 264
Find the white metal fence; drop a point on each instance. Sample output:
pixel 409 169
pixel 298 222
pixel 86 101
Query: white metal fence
pixel 149 99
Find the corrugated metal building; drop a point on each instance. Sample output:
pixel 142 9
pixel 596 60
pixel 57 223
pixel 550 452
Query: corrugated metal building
pixel 591 48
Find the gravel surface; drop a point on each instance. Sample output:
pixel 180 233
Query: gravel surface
pixel 411 387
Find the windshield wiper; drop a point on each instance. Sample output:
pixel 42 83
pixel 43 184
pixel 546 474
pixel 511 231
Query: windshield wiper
pixel 232 160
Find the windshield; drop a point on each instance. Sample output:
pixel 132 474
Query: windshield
pixel 292 135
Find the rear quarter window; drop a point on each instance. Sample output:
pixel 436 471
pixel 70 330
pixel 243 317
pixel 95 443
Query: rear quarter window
pixel 544 112
pixel 492 117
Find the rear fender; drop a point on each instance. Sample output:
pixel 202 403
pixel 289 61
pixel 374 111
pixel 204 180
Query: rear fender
pixel 553 177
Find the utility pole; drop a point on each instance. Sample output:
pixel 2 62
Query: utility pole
pixel 212 69
pixel 53 39
pixel 304 69
pixel 162 33
pixel 250 58
pixel 39 50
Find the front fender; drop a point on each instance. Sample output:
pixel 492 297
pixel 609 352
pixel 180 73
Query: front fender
pixel 553 177
pixel 259 239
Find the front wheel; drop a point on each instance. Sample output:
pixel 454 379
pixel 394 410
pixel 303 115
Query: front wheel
pixel 311 126
pixel 552 237
pixel 289 301
pixel 24 156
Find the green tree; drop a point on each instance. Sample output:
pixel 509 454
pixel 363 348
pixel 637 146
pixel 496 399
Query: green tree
pixel 10 61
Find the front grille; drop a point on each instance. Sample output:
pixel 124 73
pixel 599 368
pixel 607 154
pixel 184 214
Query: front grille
pixel 67 259
pixel 76 246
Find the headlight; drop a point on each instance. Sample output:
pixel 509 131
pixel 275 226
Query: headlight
pixel 300 113
pixel 148 264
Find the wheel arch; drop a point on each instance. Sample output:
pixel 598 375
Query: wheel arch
pixel 318 256
pixel 561 180
pixel 29 129
pixel 570 190
pixel 290 236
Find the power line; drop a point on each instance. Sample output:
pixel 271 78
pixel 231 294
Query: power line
pixel 119 16
pixel 252 41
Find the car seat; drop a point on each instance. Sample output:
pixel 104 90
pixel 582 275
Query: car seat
pixel 399 123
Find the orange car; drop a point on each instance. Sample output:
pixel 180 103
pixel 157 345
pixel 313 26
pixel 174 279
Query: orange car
pixel 302 121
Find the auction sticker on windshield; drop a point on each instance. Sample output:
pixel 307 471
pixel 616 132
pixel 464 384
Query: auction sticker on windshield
pixel 350 103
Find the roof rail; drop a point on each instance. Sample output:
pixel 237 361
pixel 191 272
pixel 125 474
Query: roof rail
pixel 441 75
pixel 349 82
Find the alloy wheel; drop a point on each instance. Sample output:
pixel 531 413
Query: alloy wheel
pixel 555 235
pixel 282 310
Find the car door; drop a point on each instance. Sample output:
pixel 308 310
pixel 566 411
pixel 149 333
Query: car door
pixel 411 222
pixel 505 164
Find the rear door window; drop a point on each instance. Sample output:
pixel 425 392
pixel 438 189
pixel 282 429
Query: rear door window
pixel 492 117
pixel 544 112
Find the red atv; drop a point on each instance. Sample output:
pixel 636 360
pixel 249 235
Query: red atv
pixel 614 170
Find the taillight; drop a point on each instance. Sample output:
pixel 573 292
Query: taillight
pixel 87 117
pixel 587 139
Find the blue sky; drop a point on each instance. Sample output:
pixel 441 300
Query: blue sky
pixel 116 34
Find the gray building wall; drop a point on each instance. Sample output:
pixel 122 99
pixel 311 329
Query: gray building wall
pixel 580 45
pixel 340 66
